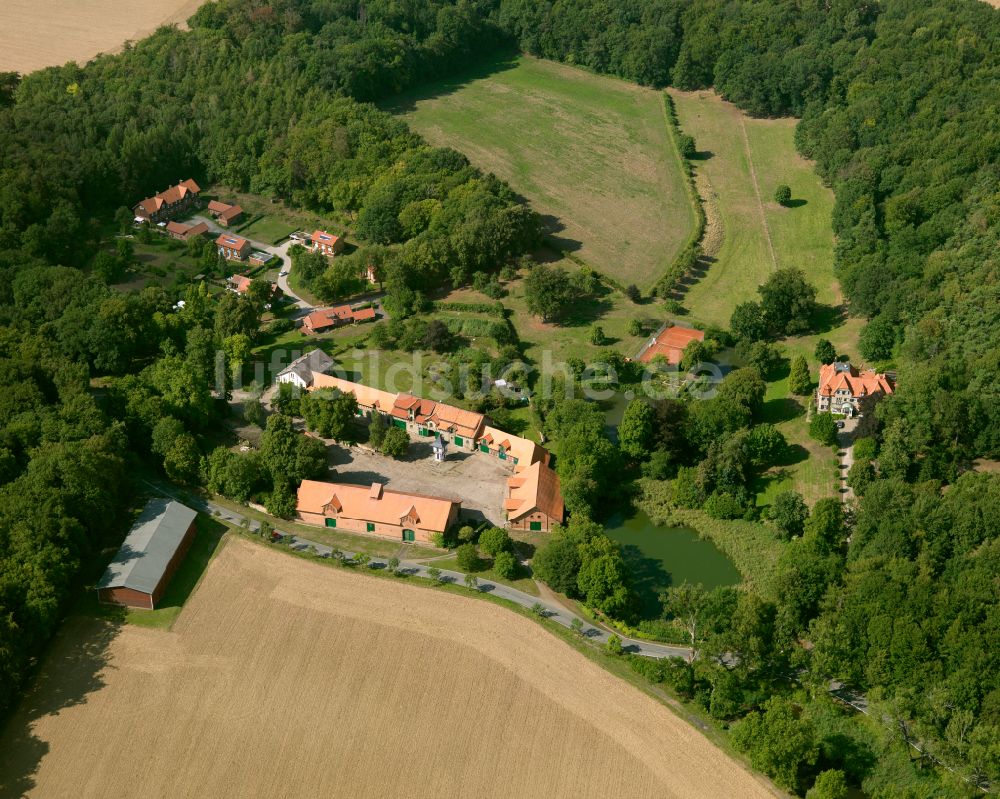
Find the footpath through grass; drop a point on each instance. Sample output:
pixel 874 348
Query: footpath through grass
pixel 591 154
pixel 740 163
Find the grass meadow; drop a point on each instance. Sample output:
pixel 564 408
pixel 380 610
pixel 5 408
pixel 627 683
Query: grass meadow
pixel 740 162
pixel 590 153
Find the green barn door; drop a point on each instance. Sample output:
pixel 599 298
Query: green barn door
pixel 484 447
pixel 331 522
pixel 535 527
pixel 408 535
pixel 458 441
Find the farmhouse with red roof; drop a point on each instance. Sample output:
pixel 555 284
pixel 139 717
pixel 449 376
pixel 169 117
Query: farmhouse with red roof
pixel 329 318
pixel 534 501
pixel 375 510
pixel 326 243
pixel 233 247
pixel 168 202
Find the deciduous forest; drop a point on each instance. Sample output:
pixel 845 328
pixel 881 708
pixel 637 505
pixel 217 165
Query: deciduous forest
pixel 897 102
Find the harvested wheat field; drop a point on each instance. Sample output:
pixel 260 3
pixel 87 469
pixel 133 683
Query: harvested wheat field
pixel 287 678
pixel 45 33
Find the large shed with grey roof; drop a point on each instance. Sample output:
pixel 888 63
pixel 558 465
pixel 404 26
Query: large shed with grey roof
pixel 149 556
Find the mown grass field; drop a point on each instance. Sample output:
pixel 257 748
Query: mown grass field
pixel 741 161
pixel 590 153
pixel 267 229
pixel 285 677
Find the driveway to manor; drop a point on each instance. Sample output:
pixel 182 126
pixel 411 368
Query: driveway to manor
pixel 551 610
pixel 845 445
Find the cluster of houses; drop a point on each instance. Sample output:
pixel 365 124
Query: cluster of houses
pixel 533 499
pixel 843 388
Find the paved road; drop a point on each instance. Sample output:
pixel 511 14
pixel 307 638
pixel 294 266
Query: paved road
pixel 552 611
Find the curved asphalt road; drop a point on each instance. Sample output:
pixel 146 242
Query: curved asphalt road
pixel 552 611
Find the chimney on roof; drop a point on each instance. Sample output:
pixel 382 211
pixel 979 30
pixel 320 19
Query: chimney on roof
pixel 376 491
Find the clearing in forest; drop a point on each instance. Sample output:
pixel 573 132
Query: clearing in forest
pixel 45 33
pixel 591 153
pixel 284 677
pixel 740 162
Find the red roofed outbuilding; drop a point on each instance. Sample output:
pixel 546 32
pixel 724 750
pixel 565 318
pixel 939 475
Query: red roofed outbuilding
pixel 670 343
pixel 329 318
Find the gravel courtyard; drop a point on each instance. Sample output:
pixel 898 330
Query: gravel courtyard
pixel 475 478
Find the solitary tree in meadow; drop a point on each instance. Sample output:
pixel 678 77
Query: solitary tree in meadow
pixel 799 381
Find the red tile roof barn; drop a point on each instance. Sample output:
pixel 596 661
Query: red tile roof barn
pixel 375 503
pixel 534 489
pixel 340 314
pixel 230 213
pixel 181 231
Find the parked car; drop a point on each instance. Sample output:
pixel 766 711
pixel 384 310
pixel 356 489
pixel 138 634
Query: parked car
pixel 840 425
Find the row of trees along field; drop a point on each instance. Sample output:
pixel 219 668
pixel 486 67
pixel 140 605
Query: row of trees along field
pixel 896 101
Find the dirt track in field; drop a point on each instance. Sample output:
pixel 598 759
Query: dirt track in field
pixel 45 33
pixel 287 678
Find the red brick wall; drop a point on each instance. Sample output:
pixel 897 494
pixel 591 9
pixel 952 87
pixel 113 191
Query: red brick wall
pixel 524 523
pixel 125 596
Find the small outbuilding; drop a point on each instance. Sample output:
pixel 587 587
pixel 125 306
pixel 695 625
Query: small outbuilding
pixel 149 556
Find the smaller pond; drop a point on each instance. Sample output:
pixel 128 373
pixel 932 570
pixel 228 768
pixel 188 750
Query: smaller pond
pixel 659 557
